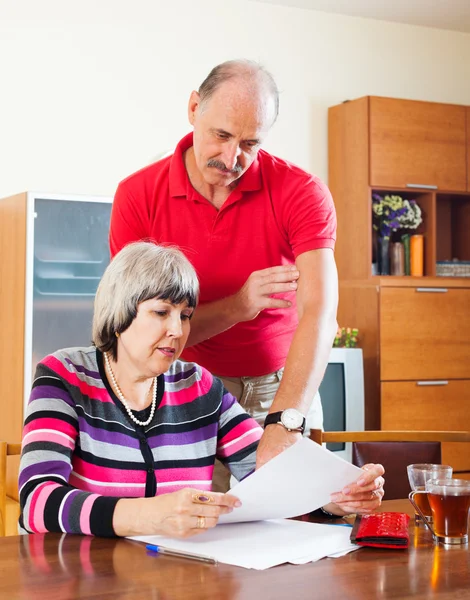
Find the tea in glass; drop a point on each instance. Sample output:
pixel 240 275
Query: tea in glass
pixel 449 500
pixel 418 475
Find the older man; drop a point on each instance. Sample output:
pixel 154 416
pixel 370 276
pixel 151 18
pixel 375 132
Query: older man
pixel 260 232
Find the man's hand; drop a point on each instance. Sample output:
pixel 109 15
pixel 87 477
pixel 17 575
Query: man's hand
pixel 256 293
pixel 274 440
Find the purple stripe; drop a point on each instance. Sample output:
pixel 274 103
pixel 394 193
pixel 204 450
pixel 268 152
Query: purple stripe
pixel 109 437
pixel 186 437
pixel 66 509
pixel 82 369
pixel 182 375
pixel 45 468
pixel 50 391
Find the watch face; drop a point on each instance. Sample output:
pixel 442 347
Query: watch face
pixel 292 418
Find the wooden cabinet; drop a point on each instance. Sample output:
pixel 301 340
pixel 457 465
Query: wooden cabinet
pixel 412 330
pixel 433 405
pixel 417 143
pixel 423 333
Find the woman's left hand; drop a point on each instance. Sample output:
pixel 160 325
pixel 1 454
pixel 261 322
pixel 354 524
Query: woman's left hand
pixel 362 496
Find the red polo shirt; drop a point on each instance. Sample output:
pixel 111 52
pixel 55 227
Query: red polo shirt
pixel 276 212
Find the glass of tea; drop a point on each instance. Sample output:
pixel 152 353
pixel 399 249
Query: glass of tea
pixel 449 500
pixel 418 475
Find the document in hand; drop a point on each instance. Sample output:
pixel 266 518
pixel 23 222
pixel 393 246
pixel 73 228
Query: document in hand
pixel 295 482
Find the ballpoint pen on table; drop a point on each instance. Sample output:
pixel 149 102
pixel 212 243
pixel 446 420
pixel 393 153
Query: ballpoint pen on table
pixel 180 554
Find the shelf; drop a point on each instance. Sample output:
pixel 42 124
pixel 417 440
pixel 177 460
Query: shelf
pixel 408 281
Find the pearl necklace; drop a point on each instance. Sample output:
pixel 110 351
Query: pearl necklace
pixel 120 395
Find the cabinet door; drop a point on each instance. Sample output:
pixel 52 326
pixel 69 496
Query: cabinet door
pixel 420 143
pixel 70 255
pixel 424 334
pixel 409 406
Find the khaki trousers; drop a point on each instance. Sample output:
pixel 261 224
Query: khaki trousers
pixel 256 394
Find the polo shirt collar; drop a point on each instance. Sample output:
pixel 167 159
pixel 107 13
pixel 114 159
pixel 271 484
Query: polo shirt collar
pixel 179 180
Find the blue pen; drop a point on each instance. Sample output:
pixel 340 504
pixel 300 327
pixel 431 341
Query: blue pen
pixel 180 554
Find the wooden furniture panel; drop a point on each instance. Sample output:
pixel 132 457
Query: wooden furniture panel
pixel 407 405
pixel 468 148
pixel 348 175
pixel 358 307
pixel 12 308
pixel 422 334
pixel 419 143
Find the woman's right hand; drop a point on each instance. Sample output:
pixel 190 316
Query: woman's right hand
pixel 180 514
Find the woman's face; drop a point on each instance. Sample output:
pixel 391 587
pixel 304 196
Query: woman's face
pixel 156 337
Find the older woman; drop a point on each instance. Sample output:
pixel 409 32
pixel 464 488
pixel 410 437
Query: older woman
pixel 120 438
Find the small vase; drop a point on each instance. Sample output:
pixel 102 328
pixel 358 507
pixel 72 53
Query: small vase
pixel 397 259
pixel 383 255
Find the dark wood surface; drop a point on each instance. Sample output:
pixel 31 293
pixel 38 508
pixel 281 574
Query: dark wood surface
pixel 55 567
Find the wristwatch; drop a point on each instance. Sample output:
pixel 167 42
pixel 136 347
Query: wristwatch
pixel 291 419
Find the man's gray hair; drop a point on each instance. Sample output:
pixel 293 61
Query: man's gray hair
pixel 139 272
pixel 242 68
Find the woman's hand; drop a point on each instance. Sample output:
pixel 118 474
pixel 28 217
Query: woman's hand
pixel 363 496
pixel 180 514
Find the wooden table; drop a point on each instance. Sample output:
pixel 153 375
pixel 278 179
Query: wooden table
pixel 55 567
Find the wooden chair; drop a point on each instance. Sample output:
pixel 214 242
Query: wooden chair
pixel 9 496
pixel 394 450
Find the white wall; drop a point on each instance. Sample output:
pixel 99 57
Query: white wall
pixel 92 90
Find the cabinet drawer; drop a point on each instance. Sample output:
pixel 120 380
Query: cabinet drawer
pixel 421 143
pixel 423 334
pixel 405 405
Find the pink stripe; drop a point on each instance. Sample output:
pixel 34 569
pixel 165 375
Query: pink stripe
pixel 176 488
pixel 107 474
pixel 91 391
pixel 50 436
pixel 191 474
pixel 51 423
pixel 241 444
pixel 239 430
pixel 199 388
pixel 37 506
pixel 108 490
pixel 85 514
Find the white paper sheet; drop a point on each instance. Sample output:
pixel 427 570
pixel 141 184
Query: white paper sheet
pixel 295 482
pixel 264 544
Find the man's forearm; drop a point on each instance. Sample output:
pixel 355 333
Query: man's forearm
pixel 306 362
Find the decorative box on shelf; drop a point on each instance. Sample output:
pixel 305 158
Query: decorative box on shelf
pixel 453 268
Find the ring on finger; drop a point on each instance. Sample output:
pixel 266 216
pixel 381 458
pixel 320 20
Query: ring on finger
pixel 202 498
pixel 201 523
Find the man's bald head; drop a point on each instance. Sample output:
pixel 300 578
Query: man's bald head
pixel 246 74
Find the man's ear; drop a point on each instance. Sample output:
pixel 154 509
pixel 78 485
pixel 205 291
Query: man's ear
pixel 193 105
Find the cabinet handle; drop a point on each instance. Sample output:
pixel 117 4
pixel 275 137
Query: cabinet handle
pixel 437 382
pixel 432 290
pixel 421 185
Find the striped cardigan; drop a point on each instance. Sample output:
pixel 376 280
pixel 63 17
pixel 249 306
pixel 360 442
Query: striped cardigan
pixel 81 453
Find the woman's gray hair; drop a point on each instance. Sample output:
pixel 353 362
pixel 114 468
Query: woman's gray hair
pixel 139 272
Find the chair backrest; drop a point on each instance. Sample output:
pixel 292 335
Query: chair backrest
pixel 395 457
pixel 7 478
pixel 394 450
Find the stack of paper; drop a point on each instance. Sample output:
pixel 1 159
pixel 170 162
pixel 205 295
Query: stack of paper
pixel 258 535
pixel 264 544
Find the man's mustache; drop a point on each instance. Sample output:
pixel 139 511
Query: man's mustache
pixel 218 164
